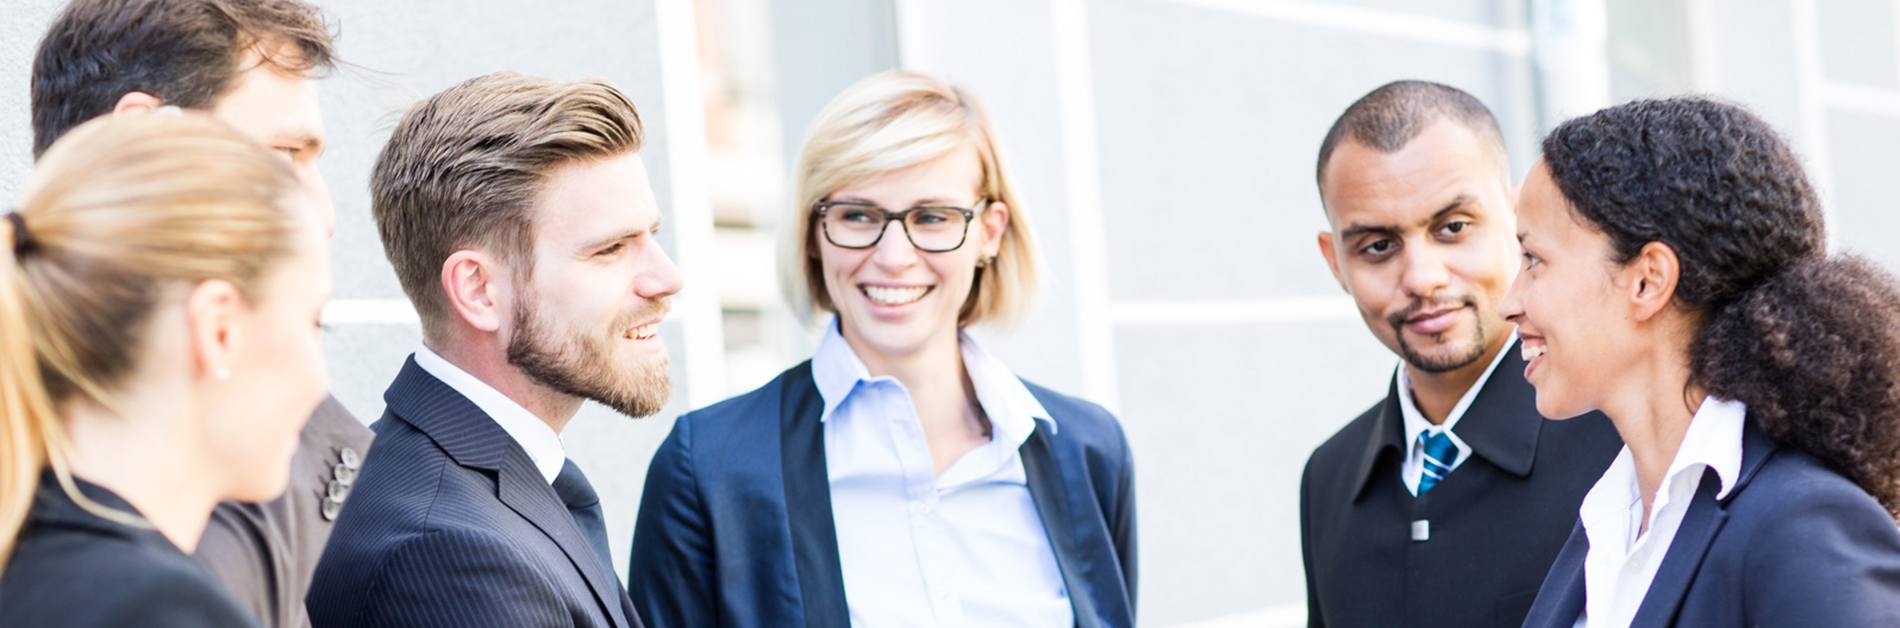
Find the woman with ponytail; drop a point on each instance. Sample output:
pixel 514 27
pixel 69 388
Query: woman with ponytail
pixel 1676 278
pixel 160 289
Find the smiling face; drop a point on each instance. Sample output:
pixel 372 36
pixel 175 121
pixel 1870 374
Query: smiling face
pixel 892 298
pixel 1423 241
pixel 277 376
pixel 586 322
pixel 1568 304
pixel 279 109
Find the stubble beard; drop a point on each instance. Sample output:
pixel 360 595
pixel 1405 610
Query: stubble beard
pixel 582 364
pixel 1449 359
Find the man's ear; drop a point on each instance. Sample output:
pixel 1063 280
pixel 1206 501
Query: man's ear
pixel 1332 263
pixel 136 101
pixel 475 284
pixel 1655 273
pixel 212 310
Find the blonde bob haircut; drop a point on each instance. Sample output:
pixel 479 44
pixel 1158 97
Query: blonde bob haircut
pixel 888 122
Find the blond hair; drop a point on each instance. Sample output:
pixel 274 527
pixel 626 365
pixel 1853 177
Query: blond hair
pixel 465 167
pixel 117 212
pixel 885 123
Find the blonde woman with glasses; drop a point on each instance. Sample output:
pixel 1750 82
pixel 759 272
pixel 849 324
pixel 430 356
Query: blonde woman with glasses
pixel 160 289
pixel 903 476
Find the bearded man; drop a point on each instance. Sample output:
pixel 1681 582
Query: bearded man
pixel 517 213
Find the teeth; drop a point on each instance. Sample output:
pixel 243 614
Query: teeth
pixel 1533 352
pixel 643 332
pixel 894 296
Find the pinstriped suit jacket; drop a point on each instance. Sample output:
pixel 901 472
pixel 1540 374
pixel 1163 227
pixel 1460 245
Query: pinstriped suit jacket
pixel 451 525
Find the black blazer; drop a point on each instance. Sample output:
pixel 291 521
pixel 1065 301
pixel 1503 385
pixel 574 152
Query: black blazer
pixel 75 569
pixel 1793 544
pixel 735 527
pixel 451 525
pixel 1495 523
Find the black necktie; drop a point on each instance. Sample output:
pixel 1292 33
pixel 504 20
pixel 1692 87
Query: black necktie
pixel 584 504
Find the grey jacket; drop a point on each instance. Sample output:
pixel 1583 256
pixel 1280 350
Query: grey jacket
pixel 264 553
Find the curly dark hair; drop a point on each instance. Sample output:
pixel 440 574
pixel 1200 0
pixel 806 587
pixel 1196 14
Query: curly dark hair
pixel 1810 344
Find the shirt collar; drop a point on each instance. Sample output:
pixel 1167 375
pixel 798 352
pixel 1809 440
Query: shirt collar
pixel 1012 409
pixel 1713 441
pixel 1415 422
pixel 534 435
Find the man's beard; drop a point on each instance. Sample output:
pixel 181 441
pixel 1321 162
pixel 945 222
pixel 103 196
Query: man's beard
pixel 1439 363
pixel 582 364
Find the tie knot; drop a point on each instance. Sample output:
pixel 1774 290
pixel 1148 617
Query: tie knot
pixel 573 487
pixel 1438 446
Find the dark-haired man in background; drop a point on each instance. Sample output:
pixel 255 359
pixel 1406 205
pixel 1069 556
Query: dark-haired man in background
pixel 1445 503
pixel 252 64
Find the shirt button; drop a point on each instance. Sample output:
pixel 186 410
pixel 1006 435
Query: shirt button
pixel 923 509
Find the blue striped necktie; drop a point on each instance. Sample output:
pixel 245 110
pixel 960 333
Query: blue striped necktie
pixel 1439 454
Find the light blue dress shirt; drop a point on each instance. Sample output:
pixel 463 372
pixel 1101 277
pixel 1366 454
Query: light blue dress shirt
pixel 966 548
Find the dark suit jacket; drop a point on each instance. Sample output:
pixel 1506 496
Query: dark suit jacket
pixel 74 569
pixel 451 525
pixel 735 527
pixel 1793 544
pixel 265 553
pixel 1496 522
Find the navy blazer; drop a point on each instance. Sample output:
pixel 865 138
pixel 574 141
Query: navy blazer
pixel 735 527
pixel 1793 544
pixel 450 524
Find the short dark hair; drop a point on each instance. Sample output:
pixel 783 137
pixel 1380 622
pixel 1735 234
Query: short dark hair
pixel 1389 117
pixel 1811 344
pixel 183 52
pixel 465 168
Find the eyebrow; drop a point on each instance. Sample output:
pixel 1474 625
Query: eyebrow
pixel 934 201
pixel 1457 202
pixel 300 138
pixel 621 236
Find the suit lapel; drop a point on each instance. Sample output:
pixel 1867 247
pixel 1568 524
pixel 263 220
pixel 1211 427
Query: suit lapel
pixel 820 572
pixel 1047 488
pixel 1700 525
pixel 522 487
pixel 1387 433
pixel 475 440
pixel 1502 424
pixel 1560 601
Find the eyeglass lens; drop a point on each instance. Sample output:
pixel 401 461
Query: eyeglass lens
pixel 930 228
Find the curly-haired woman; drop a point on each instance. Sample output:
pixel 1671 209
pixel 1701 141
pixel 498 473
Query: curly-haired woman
pixel 1675 277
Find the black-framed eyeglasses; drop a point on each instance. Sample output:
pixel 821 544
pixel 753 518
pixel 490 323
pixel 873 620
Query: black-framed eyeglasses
pixel 855 225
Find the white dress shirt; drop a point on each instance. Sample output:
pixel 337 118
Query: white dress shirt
pixel 532 433
pixel 1620 565
pixel 1415 423
pixel 966 548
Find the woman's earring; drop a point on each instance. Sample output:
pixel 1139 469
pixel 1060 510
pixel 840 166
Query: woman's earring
pixel 224 373
pixel 986 261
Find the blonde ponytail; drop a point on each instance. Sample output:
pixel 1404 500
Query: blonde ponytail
pixel 118 211
pixel 28 410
